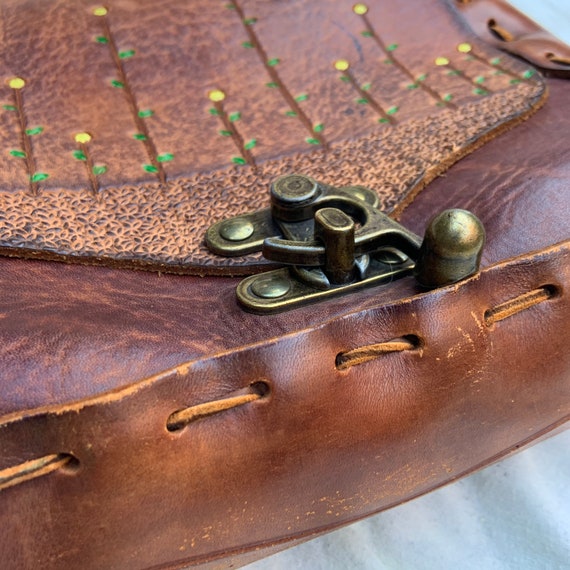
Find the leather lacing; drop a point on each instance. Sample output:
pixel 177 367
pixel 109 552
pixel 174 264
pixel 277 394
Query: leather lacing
pixel 261 388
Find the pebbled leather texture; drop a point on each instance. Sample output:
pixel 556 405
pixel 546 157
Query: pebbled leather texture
pixel 95 360
pixel 122 149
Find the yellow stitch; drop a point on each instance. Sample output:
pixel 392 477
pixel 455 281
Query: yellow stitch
pixel 216 95
pixel 360 9
pixel 16 83
pixel 441 61
pixel 82 138
pixel 100 11
pixel 464 48
pixel 341 65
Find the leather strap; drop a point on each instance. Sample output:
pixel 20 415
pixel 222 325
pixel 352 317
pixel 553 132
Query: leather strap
pixel 393 427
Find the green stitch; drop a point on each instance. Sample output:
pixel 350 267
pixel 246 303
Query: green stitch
pixel 448 97
pixel 247 44
pixel 150 168
pixel 344 78
pixel 79 155
pixel 412 86
pixel 366 86
pixel 480 79
pixel 422 77
pixel 165 157
pixel 99 169
pixel 225 133
pixel 528 73
pixel 249 21
pixel 146 113
pixel 392 110
pixel 383 120
pixel 514 81
pixel 101 40
pixel 392 47
pixel 318 128
pixel 127 53
pixel 301 98
pixel 116 83
pixel 362 101
pixel 495 61
pixel 238 160
pixel 366 34
pixel 39 176
pixel 273 61
pixel 251 144
pixel 9 107
pixel 18 153
pixel 34 131
pixel 480 91
pixel 290 113
pixel 234 117
pixel 454 72
pixel 139 137
pixel 311 140
pixel 388 61
pixel 272 85
pixel 213 111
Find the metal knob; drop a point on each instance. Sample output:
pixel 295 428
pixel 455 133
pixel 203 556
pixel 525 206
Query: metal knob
pixel 292 196
pixel 451 249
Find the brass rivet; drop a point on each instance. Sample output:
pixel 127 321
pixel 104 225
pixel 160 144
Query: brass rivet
pixel 236 230
pixel 294 189
pixel 270 287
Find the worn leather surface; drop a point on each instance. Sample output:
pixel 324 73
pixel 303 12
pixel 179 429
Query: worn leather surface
pixel 94 360
pixel 113 151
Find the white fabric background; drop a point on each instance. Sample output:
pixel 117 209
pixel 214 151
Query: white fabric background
pixel 514 515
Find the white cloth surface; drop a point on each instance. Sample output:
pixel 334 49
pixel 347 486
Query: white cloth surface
pixel 514 515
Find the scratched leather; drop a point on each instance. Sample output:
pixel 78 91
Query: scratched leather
pixel 142 69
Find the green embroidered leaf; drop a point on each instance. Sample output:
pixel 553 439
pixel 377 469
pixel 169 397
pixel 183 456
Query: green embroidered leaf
pixel 34 131
pixel 272 85
pixel 447 97
pixel 412 86
pixel 39 176
pixel 366 86
pixel 230 7
pixel 344 78
pixel 454 72
pixel 116 83
pixel 247 44
pixel 101 40
pixel 225 133
pixel 392 47
pixel 273 61
pixel 18 153
pixel 392 110
pixel 165 157
pixel 238 160
pixel 366 33
pixel 150 168
pixel 362 101
pixel 388 61
pixel 311 140
pixel 495 61
pixel 99 169
pixel 79 155
pixel 290 113
pixel 422 77
pixel 480 79
pixel 302 97
pixel 127 53
pixel 139 137
pixel 146 113
pixel 213 111
pixel 514 81
pixel 528 73
pixel 249 21
pixel 318 128
pixel 9 107
pixel 383 120
pixel 234 117
pixel 499 72
pixel 251 144
pixel 480 91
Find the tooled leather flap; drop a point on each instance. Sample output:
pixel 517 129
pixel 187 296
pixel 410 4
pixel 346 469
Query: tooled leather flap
pixel 127 129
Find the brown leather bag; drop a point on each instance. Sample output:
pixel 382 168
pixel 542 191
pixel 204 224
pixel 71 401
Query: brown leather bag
pixel 146 419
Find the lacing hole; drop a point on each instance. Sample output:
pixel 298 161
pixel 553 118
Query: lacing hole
pixel 73 464
pixel 557 59
pixel 499 32
pixel 260 387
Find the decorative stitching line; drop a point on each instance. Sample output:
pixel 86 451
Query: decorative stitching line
pixel 518 304
pixel 16 84
pixel 369 32
pixel 370 352
pixel 453 70
pixel 142 134
pixel 217 97
pixel 365 97
pixel 181 418
pixel 34 468
pixel 270 64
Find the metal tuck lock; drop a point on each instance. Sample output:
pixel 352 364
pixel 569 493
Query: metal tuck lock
pixel 334 240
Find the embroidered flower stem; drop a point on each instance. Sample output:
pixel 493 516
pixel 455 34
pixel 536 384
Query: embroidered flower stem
pixel 122 82
pixel 364 96
pixel 217 97
pixel 369 32
pixel 270 65
pixel 82 153
pixel 476 82
pixel 26 153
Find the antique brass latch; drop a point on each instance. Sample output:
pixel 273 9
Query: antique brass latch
pixel 334 240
